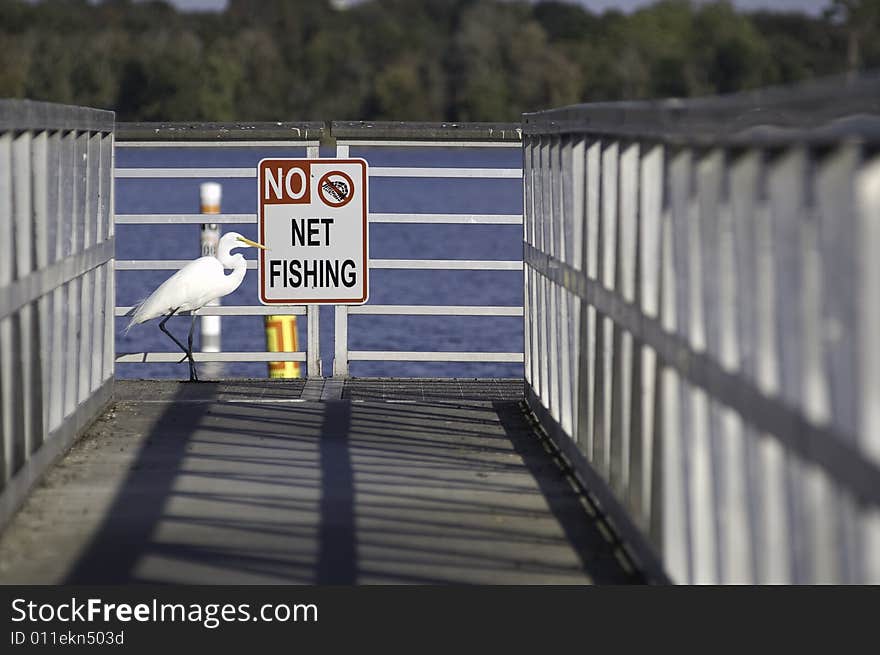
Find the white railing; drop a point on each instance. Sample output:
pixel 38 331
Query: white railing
pixel 398 135
pixel 270 136
pixel 56 284
pixel 365 135
pixel 702 318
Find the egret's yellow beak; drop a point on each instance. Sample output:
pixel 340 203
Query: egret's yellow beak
pixel 252 243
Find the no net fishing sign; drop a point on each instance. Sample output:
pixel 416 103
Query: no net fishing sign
pixel 313 220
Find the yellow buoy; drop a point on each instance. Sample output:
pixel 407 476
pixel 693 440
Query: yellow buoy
pixel 281 338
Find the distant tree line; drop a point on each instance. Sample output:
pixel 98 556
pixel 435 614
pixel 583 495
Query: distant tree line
pixel 404 59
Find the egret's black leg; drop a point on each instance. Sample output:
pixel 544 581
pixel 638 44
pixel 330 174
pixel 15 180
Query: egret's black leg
pixel 173 338
pixel 165 330
pixel 193 375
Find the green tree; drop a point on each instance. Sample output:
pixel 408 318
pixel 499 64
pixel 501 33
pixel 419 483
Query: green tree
pixel 861 20
pixel 398 59
pixel 800 46
pixel 731 54
pixel 16 60
pixel 261 92
pixel 503 65
pixel 49 77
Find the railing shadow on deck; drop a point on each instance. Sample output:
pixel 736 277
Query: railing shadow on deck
pixel 337 554
pixel 594 549
pixel 111 557
pixel 268 532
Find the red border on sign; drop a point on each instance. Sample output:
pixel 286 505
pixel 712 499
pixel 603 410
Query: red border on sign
pixel 262 220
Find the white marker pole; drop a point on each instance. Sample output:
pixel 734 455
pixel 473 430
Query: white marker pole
pixel 211 193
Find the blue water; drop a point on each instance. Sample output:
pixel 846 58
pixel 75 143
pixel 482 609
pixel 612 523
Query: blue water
pixel 387 241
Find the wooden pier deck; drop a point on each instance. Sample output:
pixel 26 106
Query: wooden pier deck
pixel 262 482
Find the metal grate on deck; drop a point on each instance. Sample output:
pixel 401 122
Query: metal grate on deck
pixel 356 389
pixel 244 390
pixel 419 389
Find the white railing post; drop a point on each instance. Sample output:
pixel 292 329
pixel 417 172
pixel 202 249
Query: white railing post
pixel 340 341
pixel 313 349
pixel 340 317
pixel 210 197
pixel 868 299
pixel 7 351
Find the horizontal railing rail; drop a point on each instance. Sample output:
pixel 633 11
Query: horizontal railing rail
pixel 56 284
pixel 157 135
pixel 403 133
pixel 824 112
pixel 426 264
pixel 437 219
pixel 232 310
pixel 344 135
pixel 242 356
pixel 374 171
pixel 702 310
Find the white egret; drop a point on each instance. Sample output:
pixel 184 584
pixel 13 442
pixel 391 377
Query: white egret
pixel 194 286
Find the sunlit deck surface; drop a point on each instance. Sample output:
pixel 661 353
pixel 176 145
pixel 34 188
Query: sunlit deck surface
pixel 254 481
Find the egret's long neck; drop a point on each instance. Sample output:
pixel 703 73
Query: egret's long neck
pixel 224 254
pixel 237 263
pixel 239 267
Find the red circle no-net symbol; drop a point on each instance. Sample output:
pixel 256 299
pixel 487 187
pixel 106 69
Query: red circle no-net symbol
pixel 336 189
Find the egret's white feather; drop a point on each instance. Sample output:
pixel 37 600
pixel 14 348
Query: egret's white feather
pixel 196 284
